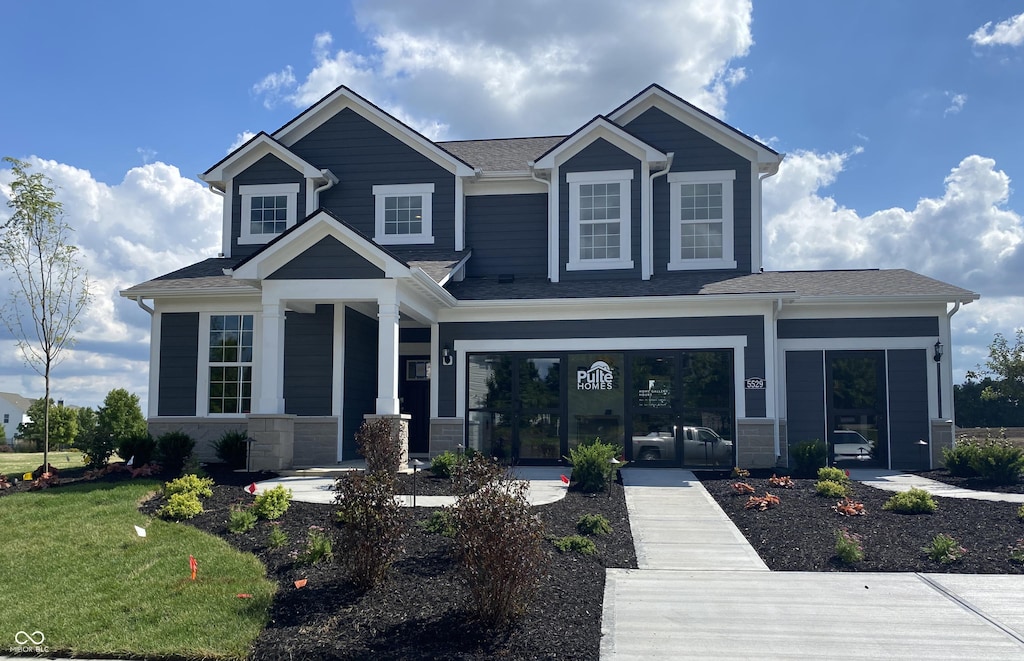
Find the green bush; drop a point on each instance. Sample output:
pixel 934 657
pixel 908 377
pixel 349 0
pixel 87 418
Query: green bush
pixel 272 503
pixel 944 549
pixel 373 526
pixel 583 545
pixel 441 522
pixel 142 447
pixel 998 462
pixel 849 547
pixel 833 474
pixel 593 524
pixel 231 448
pixel 1017 552
pixel 96 450
pixel 276 538
pixel 958 458
pixel 475 472
pixel 318 548
pixel 172 449
pixel 1020 513
pixel 242 519
pixel 443 465
pixel 914 501
pixel 591 465
pixel 830 489
pixel 200 486
pixel 181 506
pixel 807 457
pixel 382 451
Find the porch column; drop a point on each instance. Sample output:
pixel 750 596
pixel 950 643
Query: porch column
pixel 387 359
pixel 271 383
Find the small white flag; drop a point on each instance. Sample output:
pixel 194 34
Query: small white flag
pixel 131 462
pixel 141 532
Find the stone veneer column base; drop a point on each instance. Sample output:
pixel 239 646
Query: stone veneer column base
pixel 399 432
pixel 274 435
pixel 942 438
pixel 446 434
pixel 755 443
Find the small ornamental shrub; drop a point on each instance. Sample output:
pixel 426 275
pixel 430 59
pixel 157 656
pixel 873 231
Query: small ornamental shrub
pixel 476 472
pixel 830 489
pixel 443 465
pixel 318 548
pixel 1020 513
pixel 276 538
pixel 231 448
pixel 849 507
pixel 181 506
pixel 593 524
pixel 742 488
pixel 375 443
pixel 761 503
pixel 958 458
pixel 808 457
pixel 172 449
pixel 1017 552
pixel 272 503
pixel 441 523
pixel 849 546
pixel 740 472
pixel 944 549
pixel 372 521
pixel 914 501
pixel 834 474
pixel 591 465
pixel 200 486
pixel 998 462
pixel 577 543
pixel 242 519
pixel 784 482
pixel 141 449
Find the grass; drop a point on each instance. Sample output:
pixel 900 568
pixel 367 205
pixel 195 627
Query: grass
pixel 16 464
pixel 94 587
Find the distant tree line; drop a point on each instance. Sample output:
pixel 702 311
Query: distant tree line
pixel 993 395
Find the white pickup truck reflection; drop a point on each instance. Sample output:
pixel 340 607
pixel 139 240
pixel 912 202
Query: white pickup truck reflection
pixel 701 445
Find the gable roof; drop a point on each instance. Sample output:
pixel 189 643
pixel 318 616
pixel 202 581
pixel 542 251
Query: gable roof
pixel 19 402
pixel 599 127
pixel 253 150
pixel 503 154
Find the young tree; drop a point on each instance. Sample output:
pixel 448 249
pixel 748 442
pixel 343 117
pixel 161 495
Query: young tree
pixel 51 290
pixel 1005 365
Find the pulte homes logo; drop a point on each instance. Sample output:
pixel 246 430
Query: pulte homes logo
pixel 598 377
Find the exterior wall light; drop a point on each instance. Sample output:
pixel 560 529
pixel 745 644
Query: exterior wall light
pixel 447 356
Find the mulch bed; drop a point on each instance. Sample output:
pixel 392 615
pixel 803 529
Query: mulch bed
pixel 420 612
pixel 799 533
pixel 975 483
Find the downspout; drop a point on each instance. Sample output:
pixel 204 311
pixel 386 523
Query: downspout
pixel 546 182
pixel 650 221
pixel 331 180
pixel 777 387
pixel 144 306
pixel 949 329
pixel 226 230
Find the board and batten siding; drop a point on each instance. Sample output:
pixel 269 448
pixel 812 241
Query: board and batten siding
pixel 508 234
pixel 908 407
pixel 792 329
pixel 327 259
pixel 179 363
pixel 268 170
pixel 362 156
pixel 308 361
pixel 360 376
pixel 805 397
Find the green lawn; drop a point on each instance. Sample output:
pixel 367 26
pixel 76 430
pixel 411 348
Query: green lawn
pixel 74 568
pixel 16 464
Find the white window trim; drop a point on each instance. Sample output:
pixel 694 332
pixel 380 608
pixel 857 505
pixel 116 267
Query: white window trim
pixel 624 179
pixel 426 193
pixel 245 237
pixel 727 179
pixel 203 385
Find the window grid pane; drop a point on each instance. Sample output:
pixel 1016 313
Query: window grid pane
pixel 403 214
pixel 231 339
pixel 268 214
pixel 599 241
pixel 599 202
pixel 701 241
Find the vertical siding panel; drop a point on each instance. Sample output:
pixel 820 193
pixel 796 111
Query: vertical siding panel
pixel 908 407
pixel 360 375
pixel 179 363
pixel 805 396
pixel 308 361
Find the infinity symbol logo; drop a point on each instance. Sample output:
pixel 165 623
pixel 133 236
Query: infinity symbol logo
pixel 23 638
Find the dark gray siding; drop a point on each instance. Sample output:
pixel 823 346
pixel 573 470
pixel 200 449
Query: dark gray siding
pixel 752 327
pixel 364 156
pixel 308 361
pixel 508 234
pixel 599 155
pixel 328 259
pixel 694 152
pixel 805 396
pixel 268 170
pixel 360 376
pixel 869 327
pixel 908 407
pixel 179 363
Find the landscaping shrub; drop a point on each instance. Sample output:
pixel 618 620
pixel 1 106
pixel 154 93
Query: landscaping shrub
pixel 172 449
pixel 200 486
pixel 914 501
pixel 576 543
pixel 276 538
pixel 849 546
pixel 830 489
pixel 475 472
pixel 593 524
pixel 808 457
pixel 591 465
pixel 142 447
pixel 318 548
pixel 231 448
pixel 242 519
pixel 374 443
pixel 834 474
pixel 96 450
pixel 998 462
pixel 498 542
pixel 272 503
pixel 1020 513
pixel 944 549
pixel 739 472
pixel 181 506
pixel 1017 552
pixel 443 465
pixel 372 520
pixel 441 523
pixel 957 459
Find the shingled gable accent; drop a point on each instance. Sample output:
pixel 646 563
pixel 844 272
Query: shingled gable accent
pixel 656 96
pixel 599 127
pixel 341 98
pixel 256 148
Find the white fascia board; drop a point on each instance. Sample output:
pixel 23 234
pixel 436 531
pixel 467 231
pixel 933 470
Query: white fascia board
pixel 901 300
pixel 341 98
pixel 253 151
pixel 205 292
pixel 222 304
pixel 600 127
pixel 329 291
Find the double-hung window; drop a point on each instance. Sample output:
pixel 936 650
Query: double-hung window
pixel 599 220
pixel 702 220
pixel 267 210
pixel 402 213
pixel 230 363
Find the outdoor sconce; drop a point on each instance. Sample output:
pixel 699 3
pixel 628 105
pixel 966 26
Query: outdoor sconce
pixel 447 356
pixel 938 351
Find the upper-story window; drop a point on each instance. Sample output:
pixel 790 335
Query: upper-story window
pixel 599 220
pixel 267 210
pixel 702 220
pixel 403 213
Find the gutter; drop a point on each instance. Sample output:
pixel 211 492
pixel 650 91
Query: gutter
pixel 649 224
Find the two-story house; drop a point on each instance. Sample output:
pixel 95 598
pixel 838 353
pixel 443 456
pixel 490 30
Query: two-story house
pixel 521 296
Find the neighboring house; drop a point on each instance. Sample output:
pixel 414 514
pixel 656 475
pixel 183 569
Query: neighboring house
pixel 13 408
pixel 522 296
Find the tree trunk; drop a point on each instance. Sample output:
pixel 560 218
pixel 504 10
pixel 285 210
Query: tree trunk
pixel 46 422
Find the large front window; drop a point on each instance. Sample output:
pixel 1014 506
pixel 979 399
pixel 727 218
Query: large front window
pixel 599 220
pixel 403 213
pixel 267 210
pixel 230 363
pixel 702 220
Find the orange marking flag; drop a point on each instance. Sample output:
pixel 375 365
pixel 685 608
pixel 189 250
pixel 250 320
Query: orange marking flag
pixel 193 565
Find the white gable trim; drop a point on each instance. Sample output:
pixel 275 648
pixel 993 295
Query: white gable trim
pixel 599 127
pixel 254 150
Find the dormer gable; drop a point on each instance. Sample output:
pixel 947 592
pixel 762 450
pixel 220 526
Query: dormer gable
pixel 255 149
pixel 599 127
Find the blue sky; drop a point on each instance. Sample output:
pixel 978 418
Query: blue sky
pixel 901 123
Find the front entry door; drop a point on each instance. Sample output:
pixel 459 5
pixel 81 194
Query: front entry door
pixel 414 395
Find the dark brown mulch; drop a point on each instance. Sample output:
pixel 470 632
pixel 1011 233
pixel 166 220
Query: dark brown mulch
pixel 975 483
pixel 420 612
pixel 799 533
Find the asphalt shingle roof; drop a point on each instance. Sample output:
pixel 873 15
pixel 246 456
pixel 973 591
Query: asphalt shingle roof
pixel 506 155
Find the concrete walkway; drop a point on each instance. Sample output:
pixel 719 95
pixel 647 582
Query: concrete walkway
pixel 888 480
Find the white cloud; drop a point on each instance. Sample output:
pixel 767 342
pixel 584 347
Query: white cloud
pixel 956 103
pixel 504 67
pixel 1006 33
pixel 240 139
pixel 146 154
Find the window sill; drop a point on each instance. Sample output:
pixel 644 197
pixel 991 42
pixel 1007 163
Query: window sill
pixel 416 239
pixel 599 265
pixel 701 265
